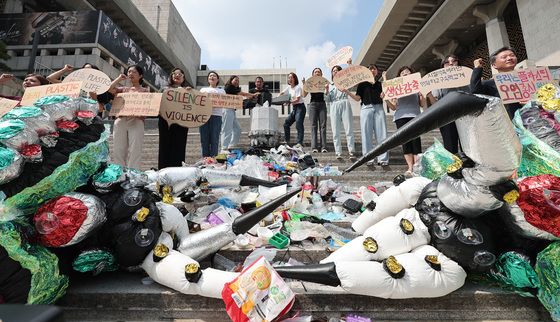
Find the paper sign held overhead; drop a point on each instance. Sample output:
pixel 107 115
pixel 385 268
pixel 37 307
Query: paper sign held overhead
pixel 7 105
pixel 520 85
pixel 136 104
pixel 449 77
pixel 340 57
pixel 315 84
pixel 31 94
pixel 226 100
pixel 187 108
pixel 93 80
pixel 352 76
pixel 401 86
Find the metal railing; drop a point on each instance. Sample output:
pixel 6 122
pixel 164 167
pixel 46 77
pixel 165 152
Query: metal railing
pixel 41 69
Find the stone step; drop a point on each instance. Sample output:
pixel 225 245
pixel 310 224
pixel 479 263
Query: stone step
pixel 123 297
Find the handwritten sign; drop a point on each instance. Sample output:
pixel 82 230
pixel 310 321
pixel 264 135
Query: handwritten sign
pixel 401 86
pixel 31 94
pixel 352 76
pixel 226 100
pixel 340 57
pixel 188 108
pixel 315 84
pixel 449 77
pixel 520 85
pixel 136 104
pixel 6 105
pixel 93 80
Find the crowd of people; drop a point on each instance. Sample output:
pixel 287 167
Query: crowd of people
pixel 222 132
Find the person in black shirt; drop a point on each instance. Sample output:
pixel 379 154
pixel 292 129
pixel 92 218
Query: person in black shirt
pixel 504 61
pixel 318 116
pixel 372 115
pixel 263 94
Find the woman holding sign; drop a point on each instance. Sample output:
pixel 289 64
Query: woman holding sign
pixel 128 131
pixel 210 131
pixel 318 115
pixel 341 112
pixel 172 139
pixel 406 108
pixel 298 110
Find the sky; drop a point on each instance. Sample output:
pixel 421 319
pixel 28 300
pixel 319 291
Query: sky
pixel 245 34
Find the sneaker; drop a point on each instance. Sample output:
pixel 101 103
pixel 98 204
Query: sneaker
pixel 339 157
pixel 324 150
pixel 370 163
pixel 383 164
pixel 314 151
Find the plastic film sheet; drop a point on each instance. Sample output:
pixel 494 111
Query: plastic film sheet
pixel 513 269
pixel 548 272
pixel 105 180
pixel 95 261
pixel 538 157
pixel 52 99
pixel 218 178
pixel 203 243
pixel 514 217
pixel 11 164
pixel 61 111
pixel 34 118
pixel 81 165
pixel 179 178
pixel 539 199
pixel 14 134
pixel 435 160
pixel 47 284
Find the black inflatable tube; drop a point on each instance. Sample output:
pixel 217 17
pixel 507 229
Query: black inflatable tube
pixel 451 107
pixel 248 181
pixel 317 273
pixel 242 224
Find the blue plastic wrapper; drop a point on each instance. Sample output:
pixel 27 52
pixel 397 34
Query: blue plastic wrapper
pixel 53 99
pixel 10 128
pixel 548 272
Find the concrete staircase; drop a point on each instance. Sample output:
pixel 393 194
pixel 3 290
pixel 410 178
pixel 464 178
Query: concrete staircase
pixel 124 297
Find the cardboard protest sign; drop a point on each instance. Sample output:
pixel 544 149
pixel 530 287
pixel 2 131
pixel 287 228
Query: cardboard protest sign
pixel 520 85
pixel 226 100
pixel 401 86
pixel 6 105
pixel 93 80
pixel 188 108
pixel 31 94
pixel 340 57
pixel 352 76
pixel 449 77
pixel 315 84
pixel 136 104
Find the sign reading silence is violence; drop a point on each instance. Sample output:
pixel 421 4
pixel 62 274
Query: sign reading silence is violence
pixel 187 108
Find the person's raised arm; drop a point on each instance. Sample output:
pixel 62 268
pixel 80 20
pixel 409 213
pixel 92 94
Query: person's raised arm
pixel 116 83
pixel 476 77
pixel 5 78
pixel 55 77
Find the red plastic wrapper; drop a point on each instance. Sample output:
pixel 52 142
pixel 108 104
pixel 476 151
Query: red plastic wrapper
pixel 32 153
pixel 539 199
pixel 61 217
pixel 85 114
pixel 67 126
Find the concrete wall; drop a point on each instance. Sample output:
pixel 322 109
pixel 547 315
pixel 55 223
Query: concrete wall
pixel 174 31
pixel 541 27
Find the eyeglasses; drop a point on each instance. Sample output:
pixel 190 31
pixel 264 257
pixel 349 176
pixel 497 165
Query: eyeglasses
pixel 178 74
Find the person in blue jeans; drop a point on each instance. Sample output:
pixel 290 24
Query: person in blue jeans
pixel 210 131
pixel 298 110
pixel 372 115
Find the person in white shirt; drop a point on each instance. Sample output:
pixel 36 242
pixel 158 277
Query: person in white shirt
pixel 298 110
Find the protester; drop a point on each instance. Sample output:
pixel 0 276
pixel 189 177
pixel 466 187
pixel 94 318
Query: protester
pixel 54 78
pixel 128 131
pixel 172 139
pixel 372 116
pixel 406 108
pixel 298 110
pixel 448 132
pixel 32 80
pixel 504 61
pixel 318 116
pixel 210 131
pixel 231 131
pixel 341 112
pixel 263 94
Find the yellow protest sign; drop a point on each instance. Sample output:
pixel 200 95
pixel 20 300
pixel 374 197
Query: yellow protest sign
pixel 340 57
pixel 31 94
pixel 401 86
pixel 188 108
pixel 449 77
pixel 136 104
pixel 315 84
pixel 226 100
pixel 93 80
pixel 352 76
pixel 7 105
